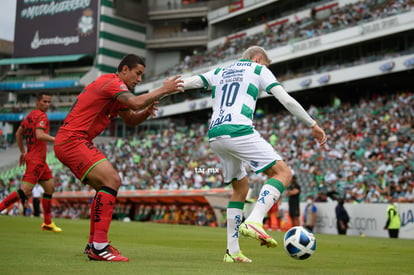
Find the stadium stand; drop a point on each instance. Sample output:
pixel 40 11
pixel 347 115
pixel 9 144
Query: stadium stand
pixel 277 32
pixel 359 144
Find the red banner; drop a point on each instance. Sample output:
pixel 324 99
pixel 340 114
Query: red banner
pixel 236 6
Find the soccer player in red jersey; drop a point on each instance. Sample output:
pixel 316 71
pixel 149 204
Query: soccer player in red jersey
pixel 34 130
pixel 100 102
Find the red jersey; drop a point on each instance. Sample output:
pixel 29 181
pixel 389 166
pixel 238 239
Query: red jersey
pixel 36 149
pixel 96 106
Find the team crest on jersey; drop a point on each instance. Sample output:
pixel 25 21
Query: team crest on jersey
pixel 123 87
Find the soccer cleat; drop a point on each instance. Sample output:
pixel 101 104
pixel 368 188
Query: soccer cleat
pixel 256 231
pixel 51 227
pixel 235 258
pixel 109 253
pixel 87 248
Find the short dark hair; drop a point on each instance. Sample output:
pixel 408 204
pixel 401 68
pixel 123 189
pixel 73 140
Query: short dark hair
pixel 41 94
pixel 131 60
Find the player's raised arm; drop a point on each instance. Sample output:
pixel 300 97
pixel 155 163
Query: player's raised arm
pixel 140 102
pixel 193 82
pixel 133 118
pixel 296 109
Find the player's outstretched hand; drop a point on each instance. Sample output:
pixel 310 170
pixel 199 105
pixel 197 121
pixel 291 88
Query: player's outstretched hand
pixel 319 135
pixel 152 109
pixel 173 85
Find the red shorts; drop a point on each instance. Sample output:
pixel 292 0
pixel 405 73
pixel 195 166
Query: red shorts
pixel 36 170
pixel 77 153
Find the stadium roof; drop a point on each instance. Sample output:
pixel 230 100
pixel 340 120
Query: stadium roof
pixel 42 59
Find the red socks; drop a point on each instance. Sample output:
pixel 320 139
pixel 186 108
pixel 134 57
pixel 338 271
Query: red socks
pixel 92 220
pixel 103 206
pixel 47 208
pixel 12 198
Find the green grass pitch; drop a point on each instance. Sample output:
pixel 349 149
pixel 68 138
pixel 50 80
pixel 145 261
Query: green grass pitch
pixel 177 249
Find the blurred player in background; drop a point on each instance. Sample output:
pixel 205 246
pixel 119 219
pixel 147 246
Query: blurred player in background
pixel 293 192
pixel 34 130
pixel 342 217
pixel 99 103
pixel 310 214
pixel 235 90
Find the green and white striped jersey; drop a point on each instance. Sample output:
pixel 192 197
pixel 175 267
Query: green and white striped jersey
pixel 235 90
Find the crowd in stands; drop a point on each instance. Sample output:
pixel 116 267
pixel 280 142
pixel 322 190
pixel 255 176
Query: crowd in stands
pixel 370 155
pixel 370 158
pixel 340 17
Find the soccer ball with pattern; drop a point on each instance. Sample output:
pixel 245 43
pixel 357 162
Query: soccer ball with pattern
pixel 299 243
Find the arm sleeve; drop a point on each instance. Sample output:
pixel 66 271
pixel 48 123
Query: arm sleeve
pixel 193 82
pixel 292 105
pixel 41 122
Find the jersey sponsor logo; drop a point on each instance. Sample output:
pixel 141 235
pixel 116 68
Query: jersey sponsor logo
pixel 98 208
pixel 246 64
pixel 220 120
pixel 232 73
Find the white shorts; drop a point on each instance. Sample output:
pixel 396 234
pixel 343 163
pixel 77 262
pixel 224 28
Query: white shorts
pixel 234 152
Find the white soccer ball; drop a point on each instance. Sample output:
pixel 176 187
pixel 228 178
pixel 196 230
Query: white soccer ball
pixel 299 243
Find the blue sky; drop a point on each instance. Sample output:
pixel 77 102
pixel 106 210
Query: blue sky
pixel 7 15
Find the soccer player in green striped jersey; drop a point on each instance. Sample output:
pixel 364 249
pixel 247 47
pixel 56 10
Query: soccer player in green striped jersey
pixel 235 89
